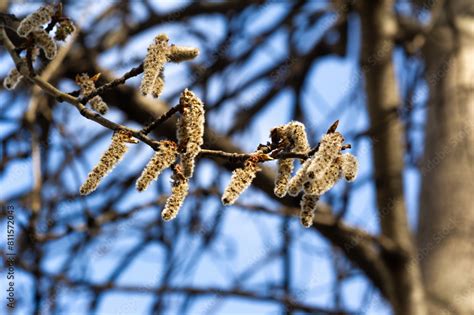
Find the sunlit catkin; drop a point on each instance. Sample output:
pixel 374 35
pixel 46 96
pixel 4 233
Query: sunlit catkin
pixel 329 148
pixel 64 28
pixel 33 21
pixel 46 43
pixel 161 160
pixel 87 86
pixel 153 81
pixel 192 120
pixel 107 162
pixel 296 182
pixel 296 132
pixel 240 181
pixel 12 79
pixel 285 167
pixel 349 166
pixel 308 207
pixel 320 185
pixel 179 191
pixel 182 53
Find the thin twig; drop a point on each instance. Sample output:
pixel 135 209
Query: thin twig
pixel 147 129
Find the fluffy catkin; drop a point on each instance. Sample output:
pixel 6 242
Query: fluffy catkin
pixel 182 53
pixel 46 43
pixel 240 181
pixel 192 121
pixel 296 132
pixel 87 86
pixel 179 190
pixel 107 162
pixel 349 166
pixel 33 21
pixel 12 79
pixel 322 184
pixel 161 160
pixel 285 167
pixel 153 82
pixel 329 148
pixel 296 182
pixel 308 207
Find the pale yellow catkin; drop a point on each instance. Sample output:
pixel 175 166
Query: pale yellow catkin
pixel 285 167
pixel 179 191
pixel 239 182
pixel 329 148
pixel 308 207
pixel 153 80
pixel 192 120
pixel 182 53
pixel 161 160
pixel 46 43
pixel 12 79
pixel 33 21
pixel 320 185
pixel 296 182
pixel 349 166
pixel 87 86
pixel 107 162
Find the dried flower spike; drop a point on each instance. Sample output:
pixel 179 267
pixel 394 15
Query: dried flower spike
pixel 285 167
pixel 46 43
pixel 33 21
pixel 12 79
pixel 191 129
pixel 182 53
pixel 161 160
pixel 308 208
pixel 87 86
pixel 109 159
pixel 179 191
pixel 349 166
pixel 153 82
pixel 240 181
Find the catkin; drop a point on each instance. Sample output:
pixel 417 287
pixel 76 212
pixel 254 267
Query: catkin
pixel 296 132
pixel 240 181
pixel 179 190
pixel 33 21
pixel 308 207
pixel 153 82
pixel 285 167
pixel 182 53
pixel 321 185
pixel 12 79
pixel 296 182
pixel 329 147
pixel 349 166
pixel 46 43
pixel 161 160
pixel 192 121
pixel 107 162
pixel 87 86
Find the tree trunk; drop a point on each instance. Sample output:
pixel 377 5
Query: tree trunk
pixel 446 221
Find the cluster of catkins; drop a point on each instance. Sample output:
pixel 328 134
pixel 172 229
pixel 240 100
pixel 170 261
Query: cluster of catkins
pixel 317 174
pixel 159 52
pixel 190 134
pixel 32 26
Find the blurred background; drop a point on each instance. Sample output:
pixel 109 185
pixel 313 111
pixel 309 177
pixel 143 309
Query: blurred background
pixel 397 74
